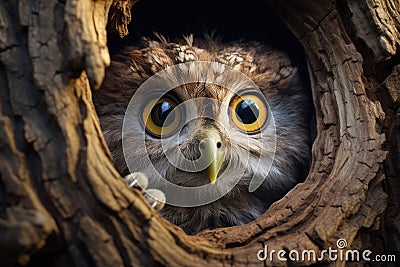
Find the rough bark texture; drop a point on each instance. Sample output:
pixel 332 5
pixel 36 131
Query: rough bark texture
pixel 62 203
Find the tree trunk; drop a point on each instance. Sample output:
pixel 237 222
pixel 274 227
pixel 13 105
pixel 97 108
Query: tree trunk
pixel 62 203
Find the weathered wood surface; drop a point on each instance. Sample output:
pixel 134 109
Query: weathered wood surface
pixel 62 203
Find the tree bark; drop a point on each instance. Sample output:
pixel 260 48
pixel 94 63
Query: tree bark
pixel 62 203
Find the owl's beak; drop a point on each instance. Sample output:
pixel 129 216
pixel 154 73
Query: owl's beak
pixel 214 153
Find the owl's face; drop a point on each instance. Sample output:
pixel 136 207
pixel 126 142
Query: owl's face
pixel 233 128
pixel 193 132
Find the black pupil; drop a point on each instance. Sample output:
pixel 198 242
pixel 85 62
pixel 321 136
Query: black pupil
pixel 247 111
pixel 160 113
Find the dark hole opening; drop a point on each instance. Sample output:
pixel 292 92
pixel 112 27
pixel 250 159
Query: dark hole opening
pixel 231 20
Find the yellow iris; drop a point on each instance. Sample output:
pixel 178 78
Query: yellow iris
pixel 249 112
pixel 161 117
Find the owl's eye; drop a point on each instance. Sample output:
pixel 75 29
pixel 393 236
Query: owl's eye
pixel 249 113
pixel 161 117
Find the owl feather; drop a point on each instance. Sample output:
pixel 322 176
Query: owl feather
pixel 281 85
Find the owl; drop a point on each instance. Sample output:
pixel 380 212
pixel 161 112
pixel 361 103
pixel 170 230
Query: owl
pixel 231 127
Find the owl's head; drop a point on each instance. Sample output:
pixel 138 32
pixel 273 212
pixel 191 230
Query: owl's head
pixel 202 119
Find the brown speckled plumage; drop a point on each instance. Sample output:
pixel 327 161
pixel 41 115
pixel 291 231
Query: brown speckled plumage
pixel 279 81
